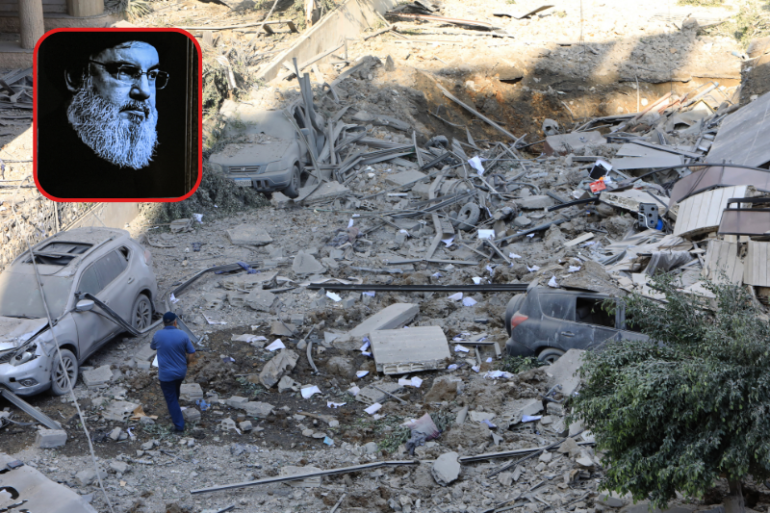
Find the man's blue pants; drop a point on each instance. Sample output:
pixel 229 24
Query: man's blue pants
pixel 171 391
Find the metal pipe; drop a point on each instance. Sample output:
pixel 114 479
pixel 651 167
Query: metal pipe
pixel 297 477
pixel 489 287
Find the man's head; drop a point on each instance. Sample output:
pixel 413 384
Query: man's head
pixel 113 107
pixel 169 319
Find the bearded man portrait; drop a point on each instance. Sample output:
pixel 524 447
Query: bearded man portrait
pixel 110 121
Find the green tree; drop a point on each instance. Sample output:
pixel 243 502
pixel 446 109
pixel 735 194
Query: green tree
pixel 689 407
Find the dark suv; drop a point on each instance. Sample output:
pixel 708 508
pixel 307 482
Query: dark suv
pixel 546 323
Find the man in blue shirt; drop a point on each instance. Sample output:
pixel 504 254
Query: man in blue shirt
pixel 175 352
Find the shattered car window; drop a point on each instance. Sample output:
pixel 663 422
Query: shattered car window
pixel 592 311
pixel 560 307
pixel 20 296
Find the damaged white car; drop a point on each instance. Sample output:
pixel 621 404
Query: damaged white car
pixel 103 262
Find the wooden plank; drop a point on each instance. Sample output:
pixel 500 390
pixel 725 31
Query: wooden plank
pixel 583 238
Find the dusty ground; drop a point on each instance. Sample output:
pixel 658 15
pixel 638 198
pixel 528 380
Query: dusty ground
pixel 554 67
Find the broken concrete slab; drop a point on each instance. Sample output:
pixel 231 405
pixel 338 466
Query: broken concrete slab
pixel 446 469
pixel 535 202
pixel 258 409
pixel 50 438
pixel 370 395
pixel 260 300
pixel 97 377
pixel 191 415
pixel 274 370
pixel 305 263
pixel 245 281
pixel 190 392
pixel 574 142
pixel 237 402
pixel 394 316
pixel 564 371
pixel 119 411
pixel 402 351
pixel 249 235
pixel 325 192
pixel 404 177
pixel 38 493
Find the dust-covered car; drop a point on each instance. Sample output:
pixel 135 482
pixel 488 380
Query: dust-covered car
pixel 104 262
pixel 270 150
pixel 547 323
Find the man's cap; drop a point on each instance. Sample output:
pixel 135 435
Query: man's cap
pixel 169 317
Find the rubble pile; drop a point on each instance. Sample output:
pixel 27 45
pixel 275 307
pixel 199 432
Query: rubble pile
pixel 352 339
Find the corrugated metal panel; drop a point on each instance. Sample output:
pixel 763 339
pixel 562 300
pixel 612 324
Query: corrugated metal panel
pixel 722 262
pixel 757 269
pixel 702 212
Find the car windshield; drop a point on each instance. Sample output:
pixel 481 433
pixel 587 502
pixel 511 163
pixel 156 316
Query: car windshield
pixel 20 296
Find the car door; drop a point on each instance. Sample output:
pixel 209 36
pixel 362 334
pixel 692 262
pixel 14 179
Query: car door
pixel 592 312
pixel 125 291
pixel 558 327
pixel 101 280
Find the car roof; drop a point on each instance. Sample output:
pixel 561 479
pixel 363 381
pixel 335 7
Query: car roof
pixel 544 291
pixel 96 237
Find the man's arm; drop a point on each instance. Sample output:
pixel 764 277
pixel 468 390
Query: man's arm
pixel 153 345
pixel 191 356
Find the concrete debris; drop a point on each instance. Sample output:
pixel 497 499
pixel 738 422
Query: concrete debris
pixel 446 469
pixel 249 235
pixel 305 263
pixel 190 392
pixel 394 316
pixel 50 438
pixel 97 377
pixel 274 370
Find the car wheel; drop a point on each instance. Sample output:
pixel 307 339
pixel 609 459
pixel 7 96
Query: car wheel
pixel 141 313
pixel 67 366
pixel 550 355
pixel 292 191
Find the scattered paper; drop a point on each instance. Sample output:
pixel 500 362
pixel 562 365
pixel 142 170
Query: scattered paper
pixel 404 232
pixel 366 353
pixel 476 368
pixel 486 234
pixel 436 275
pixel 334 297
pixel 456 297
pixel 574 268
pixel 254 327
pixel 332 404
pixel 513 256
pixel 498 374
pixel 155 361
pixel 531 418
pixel 328 441
pixel 552 282
pixel 198 217
pixel 452 366
pixel 468 301
pixel 173 299
pixel 310 391
pixel 531 235
pixel 489 424
pixel 461 349
pixel 248 338
pixel 361 373
pixel 477 280
pixel 448 241
pixel 414 382
pixel 475 163
pixel 351 223
pixel 490 270
pixel 533 268
pixel 354 391
pixel 371 410
pixel 369 293
pixel 489 360
pixel 277 344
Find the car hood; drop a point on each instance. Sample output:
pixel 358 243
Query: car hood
pixel 15 331
pixel 239 154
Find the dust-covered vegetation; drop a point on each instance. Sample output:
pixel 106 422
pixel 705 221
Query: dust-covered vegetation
pixel 677 414
pixel 216 197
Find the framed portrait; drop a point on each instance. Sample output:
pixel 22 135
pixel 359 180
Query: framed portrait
pixel 117 115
